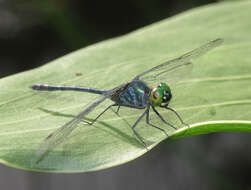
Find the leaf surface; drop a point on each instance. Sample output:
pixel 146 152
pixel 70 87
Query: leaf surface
pixel 216 97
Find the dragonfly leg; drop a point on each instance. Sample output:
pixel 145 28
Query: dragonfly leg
pixel 135 132
pixel 117 112
pixel 90 123
pixel 176 115
pixel 148 122
pixel 162 119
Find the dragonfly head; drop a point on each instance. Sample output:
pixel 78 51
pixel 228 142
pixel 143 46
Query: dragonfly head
pixel 161 95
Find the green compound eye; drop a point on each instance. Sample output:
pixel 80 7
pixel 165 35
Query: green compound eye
pixel 161 94
pixel 167 96
pixel 164 87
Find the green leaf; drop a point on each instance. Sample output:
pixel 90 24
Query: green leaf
pixel 216 96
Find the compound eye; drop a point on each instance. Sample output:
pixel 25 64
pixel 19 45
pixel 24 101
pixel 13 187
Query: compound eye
pixel 156 95
pixel 166 97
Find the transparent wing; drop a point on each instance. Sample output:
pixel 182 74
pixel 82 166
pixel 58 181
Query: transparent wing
pixel 174 66
pixel 63 132
pixel 171 76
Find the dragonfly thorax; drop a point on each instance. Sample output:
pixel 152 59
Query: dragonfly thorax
pixel 161 95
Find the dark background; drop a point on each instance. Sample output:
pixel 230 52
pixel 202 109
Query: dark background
pixel 35 32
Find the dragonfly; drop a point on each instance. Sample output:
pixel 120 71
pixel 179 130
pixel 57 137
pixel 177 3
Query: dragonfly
pixel 139 93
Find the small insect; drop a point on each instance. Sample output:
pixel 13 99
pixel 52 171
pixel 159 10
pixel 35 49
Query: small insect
pixel 78 74
pixel 136 94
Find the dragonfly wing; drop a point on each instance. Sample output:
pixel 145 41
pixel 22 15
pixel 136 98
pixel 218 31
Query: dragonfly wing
pixel 171 76
pixel 172 66
pixel 63 132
